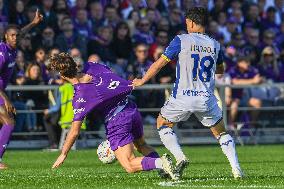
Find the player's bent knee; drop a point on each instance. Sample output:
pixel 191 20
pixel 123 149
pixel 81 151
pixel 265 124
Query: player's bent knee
pixel 163 122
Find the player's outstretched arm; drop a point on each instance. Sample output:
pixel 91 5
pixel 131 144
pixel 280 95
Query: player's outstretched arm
pixel 152 71
pixel 71 137
pixel 37 19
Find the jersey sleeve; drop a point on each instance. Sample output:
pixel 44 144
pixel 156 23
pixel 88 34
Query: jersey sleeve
pixel 172 50
pixel 220 58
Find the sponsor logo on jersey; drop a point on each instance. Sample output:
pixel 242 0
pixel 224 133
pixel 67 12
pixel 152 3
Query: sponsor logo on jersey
pixel 80 100
pixel 189 92
pixel 11 64
pixel 78 111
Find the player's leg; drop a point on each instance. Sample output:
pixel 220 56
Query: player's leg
pixel 145 149
pixel 213 119
pixel 5 132
pixel 121 132
pixel 133 164
pixel 169 138
pixel 228 147
pixel 165 122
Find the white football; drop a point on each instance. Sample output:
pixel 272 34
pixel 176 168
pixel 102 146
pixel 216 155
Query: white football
pixel 105 154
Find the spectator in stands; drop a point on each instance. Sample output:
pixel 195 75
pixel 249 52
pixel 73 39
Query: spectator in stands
pixel 82 24
pixel 61 5
pixel 231 27
pixel 219 6
pixel 269 21
pixel 75 52
pixel 20 65
pixel 252 16
pixel 280 37
pixel 40 57
pixel 25 45
pixel 121 44
pixel 237 40
pixel 279 5
pixel 161 39
pixel 80 4
pixel 35 99
pixel 47 39
pixel 69 39
pixel 269 40
pixel 18 17
pixel 49 15
pixel 243 74
pixel 176 22
pixel 111 16
pixel 268 66
pixel 96 16
pixel 153 17
pixel 132 21
pixel 143 33
pixel 101 45
pixel 3 12
pixel 22 119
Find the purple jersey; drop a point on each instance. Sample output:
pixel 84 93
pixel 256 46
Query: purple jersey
pixel 235 73
pixel 7 63
pixel 103 94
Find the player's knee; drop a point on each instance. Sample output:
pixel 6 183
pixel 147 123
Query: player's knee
pixel 162 122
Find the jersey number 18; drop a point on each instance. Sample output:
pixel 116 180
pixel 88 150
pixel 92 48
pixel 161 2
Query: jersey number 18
pixel 204 72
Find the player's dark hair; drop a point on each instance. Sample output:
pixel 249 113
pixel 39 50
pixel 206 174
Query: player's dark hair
pixel 10 27
pixel 198 15
pixel 64 64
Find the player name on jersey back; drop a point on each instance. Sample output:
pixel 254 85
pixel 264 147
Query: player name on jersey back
pixel 203 49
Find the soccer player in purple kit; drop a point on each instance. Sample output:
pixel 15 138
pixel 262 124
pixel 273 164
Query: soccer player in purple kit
pixel 99 89
pixel 8 52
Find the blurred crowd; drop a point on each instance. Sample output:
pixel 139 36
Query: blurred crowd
pixel 128 35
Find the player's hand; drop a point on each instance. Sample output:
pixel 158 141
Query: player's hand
pixel 38 18
pixel 137 83
pixel 59 161
pixel 9 107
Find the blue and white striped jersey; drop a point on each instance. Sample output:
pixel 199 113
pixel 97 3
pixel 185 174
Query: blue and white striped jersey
pixel 197 56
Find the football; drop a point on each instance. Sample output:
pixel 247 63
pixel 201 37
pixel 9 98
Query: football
pixel 105 154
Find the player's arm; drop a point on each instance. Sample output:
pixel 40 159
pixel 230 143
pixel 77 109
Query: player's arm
pixel 152 71
pixel 170 53
pixel 71 137
pixel 37 19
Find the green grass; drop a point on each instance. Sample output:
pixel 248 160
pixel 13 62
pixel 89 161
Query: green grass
pixel 263 166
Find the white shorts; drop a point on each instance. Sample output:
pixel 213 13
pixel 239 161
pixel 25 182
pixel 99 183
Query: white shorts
pixel 208 118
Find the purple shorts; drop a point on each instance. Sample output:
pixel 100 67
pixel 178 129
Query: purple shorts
pixel 124 127
pixel 2 102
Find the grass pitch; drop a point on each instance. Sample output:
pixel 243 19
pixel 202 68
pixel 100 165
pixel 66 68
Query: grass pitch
pixel 263 166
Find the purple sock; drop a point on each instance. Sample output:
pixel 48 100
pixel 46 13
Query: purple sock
pixel 153 155
pixel 148 163
pixel 5 134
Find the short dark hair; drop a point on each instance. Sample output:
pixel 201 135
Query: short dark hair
pixel 10 27
pixel 198 15
pixel 64 64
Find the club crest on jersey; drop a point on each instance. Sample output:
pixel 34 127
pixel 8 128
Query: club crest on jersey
pixel 80 100
pixel 78 111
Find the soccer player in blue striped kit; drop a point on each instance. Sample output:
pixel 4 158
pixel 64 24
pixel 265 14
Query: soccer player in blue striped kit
pixel 199 58
pixel 8 53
